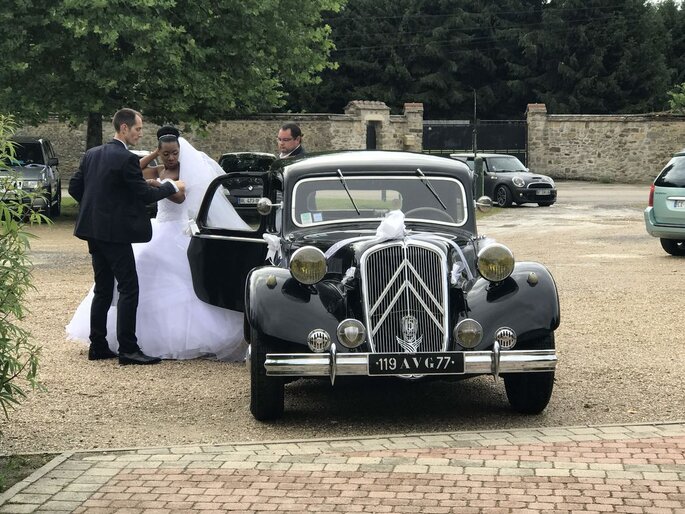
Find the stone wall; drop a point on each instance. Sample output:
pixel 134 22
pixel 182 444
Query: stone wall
pixel 609 148
pixel 321 132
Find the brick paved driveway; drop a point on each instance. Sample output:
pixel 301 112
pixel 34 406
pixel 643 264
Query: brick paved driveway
pixel 636 468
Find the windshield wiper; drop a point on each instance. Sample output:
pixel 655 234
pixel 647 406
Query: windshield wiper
pixel 342 181
pixel 430 188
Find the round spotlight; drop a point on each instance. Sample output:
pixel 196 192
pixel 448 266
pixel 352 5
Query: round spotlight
pixel 495 262
pixel 308 265
pixel 319 340
pixel 351 333
pixel 468 333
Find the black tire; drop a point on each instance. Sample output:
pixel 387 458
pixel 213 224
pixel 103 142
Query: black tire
pixel 267 394
pixel 673 246
pixel 545 204
pixel 503 197
pixel 56 209
pixel 529 393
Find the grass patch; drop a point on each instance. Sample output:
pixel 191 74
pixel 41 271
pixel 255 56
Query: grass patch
pixel 15 468
pixel 69 209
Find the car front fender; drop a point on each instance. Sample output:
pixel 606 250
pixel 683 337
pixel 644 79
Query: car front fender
pixel 526 302
pixel 282 309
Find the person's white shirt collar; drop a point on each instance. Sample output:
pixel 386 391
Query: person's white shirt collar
pixel 121 141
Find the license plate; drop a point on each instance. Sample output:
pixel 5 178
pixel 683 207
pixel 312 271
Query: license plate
pixel 250 201
pixel 679 204
pixel 544 192
pixel 416 363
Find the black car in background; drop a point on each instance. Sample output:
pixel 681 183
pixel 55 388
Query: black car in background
pixel 506 180
pixel 245 191
pixel 34 170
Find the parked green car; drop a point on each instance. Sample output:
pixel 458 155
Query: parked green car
pixel 665 214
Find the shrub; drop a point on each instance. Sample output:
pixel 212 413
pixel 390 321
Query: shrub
pixel 18 355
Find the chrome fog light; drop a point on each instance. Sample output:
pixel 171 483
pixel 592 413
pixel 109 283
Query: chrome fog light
pixel 506 337
pixel 495 262
pixel 468 333
pixel 308 265
pixel 319 340
pixel 351 333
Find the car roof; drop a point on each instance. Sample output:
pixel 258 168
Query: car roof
pixel 26 139
pixel 351 161
pixel 245 154
pixel 486 155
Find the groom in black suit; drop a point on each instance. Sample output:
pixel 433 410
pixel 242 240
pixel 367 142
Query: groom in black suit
pixel 112 194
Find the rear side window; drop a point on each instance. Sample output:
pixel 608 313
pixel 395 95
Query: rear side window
pixel 673 175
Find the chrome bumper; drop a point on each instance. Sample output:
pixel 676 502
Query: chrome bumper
pixel 334 364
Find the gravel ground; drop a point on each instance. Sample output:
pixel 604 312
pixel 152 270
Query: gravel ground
pixel 619 344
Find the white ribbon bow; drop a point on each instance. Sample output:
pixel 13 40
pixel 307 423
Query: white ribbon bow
pixel 273 242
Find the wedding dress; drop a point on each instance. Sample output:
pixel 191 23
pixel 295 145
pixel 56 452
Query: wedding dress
pixel 172 323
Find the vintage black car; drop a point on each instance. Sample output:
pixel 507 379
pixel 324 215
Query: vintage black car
pixel 371 265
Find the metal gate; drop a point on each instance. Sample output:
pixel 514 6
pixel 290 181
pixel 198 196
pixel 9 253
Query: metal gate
pixel 443 137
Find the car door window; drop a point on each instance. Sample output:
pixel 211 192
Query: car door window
pixel 234 205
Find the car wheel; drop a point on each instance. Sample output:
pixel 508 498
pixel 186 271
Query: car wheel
pixel 266 393
pixel 503 196
pixel 673 246
pixel 56 209
pixel 529 393
pixel 545 204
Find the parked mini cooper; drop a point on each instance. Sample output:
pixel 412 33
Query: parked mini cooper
pixel 371 265
pixel 665 214
pixel 506 180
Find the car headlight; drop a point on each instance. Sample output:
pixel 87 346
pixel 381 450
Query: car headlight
pixel 308 265
pixel 495 262
pixel 31 184
pixel 518 182
pixel 351 333
pixel 468 333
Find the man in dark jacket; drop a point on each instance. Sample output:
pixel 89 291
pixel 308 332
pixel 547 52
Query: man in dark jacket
pixel 112 194
pixel 290 141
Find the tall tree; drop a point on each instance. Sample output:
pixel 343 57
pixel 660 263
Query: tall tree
pixel 190 60
pixel 601 57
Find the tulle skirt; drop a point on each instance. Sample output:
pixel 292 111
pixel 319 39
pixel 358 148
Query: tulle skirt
pixel 172 323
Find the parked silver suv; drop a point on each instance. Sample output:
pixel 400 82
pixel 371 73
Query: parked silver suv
pixel 34 166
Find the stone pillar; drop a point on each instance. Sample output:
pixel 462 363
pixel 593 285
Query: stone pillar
pixel 413 137
pixel 370 115
pixel 536 140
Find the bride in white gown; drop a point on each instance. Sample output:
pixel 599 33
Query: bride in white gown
pixel 172 323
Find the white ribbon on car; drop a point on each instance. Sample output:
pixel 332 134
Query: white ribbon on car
pixel 392 227
pixel 273 243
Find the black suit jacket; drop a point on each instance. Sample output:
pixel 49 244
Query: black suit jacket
pixel 112 194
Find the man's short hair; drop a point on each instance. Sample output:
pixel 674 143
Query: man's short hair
pixel 125 116
pixel 293 128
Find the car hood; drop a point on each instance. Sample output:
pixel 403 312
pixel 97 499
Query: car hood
pixel 527 176
pixel 25 172
pixel 348 245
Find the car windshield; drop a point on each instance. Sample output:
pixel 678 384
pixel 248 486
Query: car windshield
pixel 325 200
pixel 24 154
pixel 673 175
pixel 505 163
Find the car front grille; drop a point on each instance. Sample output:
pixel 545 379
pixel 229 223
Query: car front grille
pixel 405 297
pixel 540 185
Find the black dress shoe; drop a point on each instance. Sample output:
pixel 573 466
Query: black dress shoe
pixel 96 353
pixel 137 357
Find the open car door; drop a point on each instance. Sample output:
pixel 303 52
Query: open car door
pixel 226 239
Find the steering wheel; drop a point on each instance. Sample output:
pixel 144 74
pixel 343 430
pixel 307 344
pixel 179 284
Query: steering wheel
pixel 444 215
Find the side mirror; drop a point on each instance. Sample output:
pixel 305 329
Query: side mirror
pixel 53 161
pixel 484 204
pixel 264 206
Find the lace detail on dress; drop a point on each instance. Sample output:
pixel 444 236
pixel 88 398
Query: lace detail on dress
pixel 170 211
